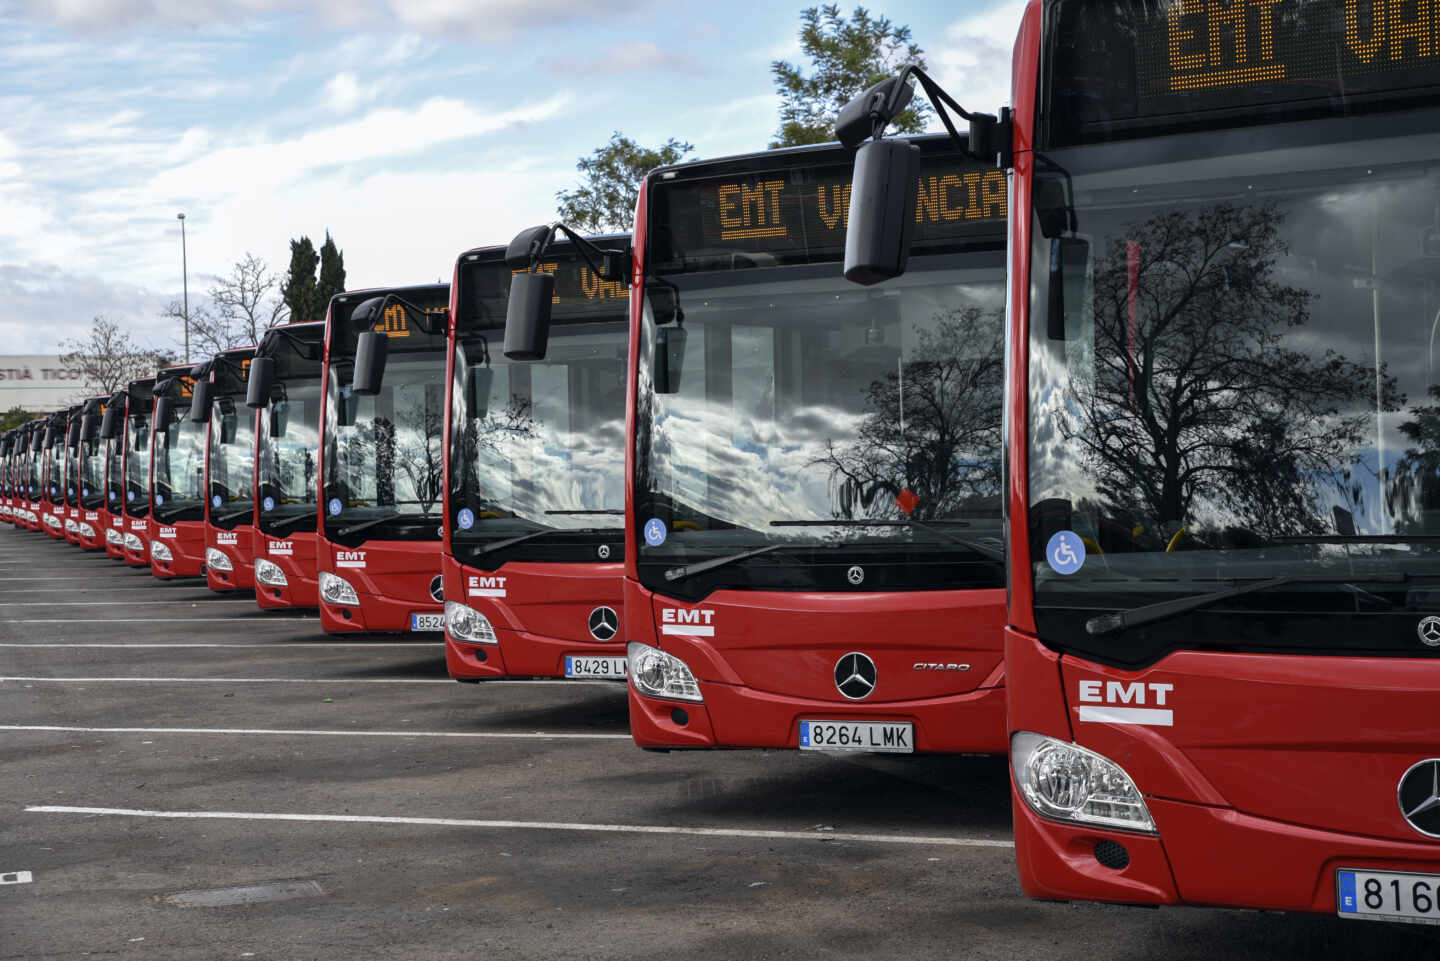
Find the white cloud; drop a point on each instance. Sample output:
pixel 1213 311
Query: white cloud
pixel 623 58
pixel 974 62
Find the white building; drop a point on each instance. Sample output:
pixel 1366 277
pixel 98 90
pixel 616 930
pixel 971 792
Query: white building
pixel 38 383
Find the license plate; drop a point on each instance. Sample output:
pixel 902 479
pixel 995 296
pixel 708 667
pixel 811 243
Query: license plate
pixel 1388 896
pixel 613 667
pixel 892 737
pixel 427 622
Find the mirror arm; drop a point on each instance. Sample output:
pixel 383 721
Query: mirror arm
pixel 990 136
pixel 305 348
pixel 606 268
pixel 423 316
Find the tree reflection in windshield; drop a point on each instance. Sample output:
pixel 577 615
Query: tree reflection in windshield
pixel 931 427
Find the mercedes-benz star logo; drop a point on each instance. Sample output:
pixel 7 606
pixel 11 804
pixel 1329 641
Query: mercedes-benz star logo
pixel 1429 631
pixel 604 551
pixel 437 587
pixel 855 676
pixel 856 575
pixel 1419 797
pixel 604 623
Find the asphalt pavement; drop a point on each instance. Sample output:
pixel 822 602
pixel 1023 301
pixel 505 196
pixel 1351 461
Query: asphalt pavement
pixel 183 776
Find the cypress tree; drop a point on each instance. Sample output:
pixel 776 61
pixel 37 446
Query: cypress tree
pixel 332 272
pixel 300 292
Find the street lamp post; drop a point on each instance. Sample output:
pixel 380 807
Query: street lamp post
pixel 185 284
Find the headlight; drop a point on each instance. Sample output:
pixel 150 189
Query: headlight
pixel 269 573
pixel 160 552
pixel 337 590
pixel 467 624
pixel 51 520
pixel 86 530
pixel 134 543
pixel 658 674
pixel 112 536
pixel 71 526
pixel 1066 782
pixel 217 560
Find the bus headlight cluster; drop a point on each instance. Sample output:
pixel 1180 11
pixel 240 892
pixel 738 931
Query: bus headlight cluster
pixel 337 590
pixel 160 552
pixel 217 560
pixel 467 624
pixel 1066 782
pixel 86 530
pixel 659 674
pixel 134 543
pixel 112 536
pixel 71 526
pixel 269 573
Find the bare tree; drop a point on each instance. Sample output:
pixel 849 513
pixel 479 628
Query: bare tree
pixel 109 358
pixel 243 305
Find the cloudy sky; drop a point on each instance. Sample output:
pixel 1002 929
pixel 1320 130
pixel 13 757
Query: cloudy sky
pixel 411 129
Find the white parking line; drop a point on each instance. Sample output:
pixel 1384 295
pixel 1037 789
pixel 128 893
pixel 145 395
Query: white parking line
pixel 239 618
pixel 497 735
pixel 282 680
pixel 178 600
pixel 532 826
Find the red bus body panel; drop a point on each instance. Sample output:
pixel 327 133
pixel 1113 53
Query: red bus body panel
pixel 98 521
pixel 186 540
pixel 116 522
pixel 239 546
pixel 295 554
pixel 391 578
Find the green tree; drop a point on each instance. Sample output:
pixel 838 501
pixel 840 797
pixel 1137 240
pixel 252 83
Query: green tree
pixel 14 417
pixel 605 200
pixel 299 291
pixel 332 272
pixel 848 56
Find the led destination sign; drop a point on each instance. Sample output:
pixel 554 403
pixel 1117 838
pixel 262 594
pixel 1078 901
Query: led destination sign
pixel 580 293
pixel 1124 62
pixel 799 215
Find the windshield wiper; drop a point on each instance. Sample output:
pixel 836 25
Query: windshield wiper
pixel 376 521
pixel 232 515
pixel 700 567
pixel 173 512
pixel 522 538
pixel 292 519
pixel 610 510
pixel 932 527
pixel 1149 613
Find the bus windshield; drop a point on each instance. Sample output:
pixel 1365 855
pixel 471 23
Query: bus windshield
pixel 137 462
pixel 289 444
pixel 92 474
pixel 537 456
pixel 179 467
pixel 115 472
pixel 1233 375
pixel 232 459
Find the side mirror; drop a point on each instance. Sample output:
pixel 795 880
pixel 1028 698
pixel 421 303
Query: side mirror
pixel 370 354
pixel 49 437
pixel 262 378
pixel 163 408
pixel 526 247
pixel 1070 282
pixel 72 434
pixel 668 360
pixel 89 427
pixel 200 401
pixel 110 423
pixel 527 316
pixel 882 211
pixel 857 119
pixel 37 443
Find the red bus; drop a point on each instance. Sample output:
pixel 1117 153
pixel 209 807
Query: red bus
pixel 92 518
pixel 70 476
pixel 382 462
pixel 285 388
pixel 1224 645
pixel 535 496
pixel 177 479
pixel 814 554
pixel 9 459
pixel 113 437
pixel 53 471
pixel 219 401
pixel 32 478
pixel 139 405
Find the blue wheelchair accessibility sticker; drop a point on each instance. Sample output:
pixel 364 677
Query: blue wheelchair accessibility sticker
pixel 1065 553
